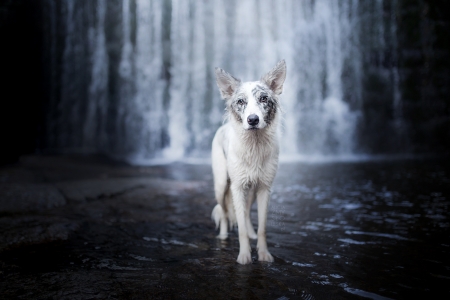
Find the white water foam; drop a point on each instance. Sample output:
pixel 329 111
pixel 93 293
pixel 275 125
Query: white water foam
pixel 365 294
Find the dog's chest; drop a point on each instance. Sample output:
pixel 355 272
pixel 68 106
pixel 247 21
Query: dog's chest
pixel 253 166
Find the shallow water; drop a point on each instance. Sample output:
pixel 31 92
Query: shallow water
pixel 89 228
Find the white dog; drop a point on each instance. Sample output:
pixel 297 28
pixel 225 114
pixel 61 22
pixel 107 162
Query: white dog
pixel 245 156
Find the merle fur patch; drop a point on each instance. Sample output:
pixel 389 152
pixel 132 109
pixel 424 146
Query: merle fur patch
pixel 269 106
pixel 237 108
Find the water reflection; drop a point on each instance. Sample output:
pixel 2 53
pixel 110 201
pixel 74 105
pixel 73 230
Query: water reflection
pixel 339 230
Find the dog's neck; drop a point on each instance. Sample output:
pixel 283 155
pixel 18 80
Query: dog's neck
pixel 255 147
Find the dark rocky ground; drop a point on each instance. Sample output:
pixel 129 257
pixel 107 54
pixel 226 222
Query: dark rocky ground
pixel 88 228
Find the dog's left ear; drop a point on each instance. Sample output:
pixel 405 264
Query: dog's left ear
pixel 275 78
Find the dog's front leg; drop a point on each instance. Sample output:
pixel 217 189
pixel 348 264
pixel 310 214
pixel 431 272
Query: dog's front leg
pixel 263 196
pixel 250 199
pixel 238 194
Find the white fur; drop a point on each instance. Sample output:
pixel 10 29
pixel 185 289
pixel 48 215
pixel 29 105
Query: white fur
pixel 252 107
pixel 245 161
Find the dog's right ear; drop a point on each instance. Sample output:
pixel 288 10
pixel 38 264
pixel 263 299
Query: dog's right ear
pixel 227 84
pixel 275 78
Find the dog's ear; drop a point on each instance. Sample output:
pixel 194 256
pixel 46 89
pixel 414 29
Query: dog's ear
pixel 275 78
pixel 227 84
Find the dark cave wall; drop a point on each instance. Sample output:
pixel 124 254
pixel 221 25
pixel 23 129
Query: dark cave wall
pixel 23 97
pixel 424 58
pixel 421 55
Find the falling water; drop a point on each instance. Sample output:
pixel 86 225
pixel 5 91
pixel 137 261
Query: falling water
pixel 137 76
pixel 97 101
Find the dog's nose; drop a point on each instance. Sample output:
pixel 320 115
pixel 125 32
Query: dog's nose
pixel 253 120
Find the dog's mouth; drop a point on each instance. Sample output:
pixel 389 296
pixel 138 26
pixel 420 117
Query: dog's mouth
pixel 253 128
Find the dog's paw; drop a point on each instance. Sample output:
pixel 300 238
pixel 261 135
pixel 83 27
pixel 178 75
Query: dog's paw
pixel 222 236
pixel 252 235
pixel 265 256
pixel 244 258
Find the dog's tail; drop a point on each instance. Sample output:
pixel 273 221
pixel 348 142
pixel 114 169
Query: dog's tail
pixel 217 214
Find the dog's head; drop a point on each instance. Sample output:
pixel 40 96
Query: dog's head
pixel 253 104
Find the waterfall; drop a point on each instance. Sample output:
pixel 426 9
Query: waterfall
pixel 94 127
pixel 137 76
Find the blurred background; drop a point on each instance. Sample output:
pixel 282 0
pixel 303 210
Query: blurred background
pixel 134 79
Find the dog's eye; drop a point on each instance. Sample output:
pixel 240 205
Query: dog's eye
pixel 240 102
pixel 263 99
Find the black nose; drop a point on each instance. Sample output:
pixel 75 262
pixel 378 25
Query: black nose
pixel 253 120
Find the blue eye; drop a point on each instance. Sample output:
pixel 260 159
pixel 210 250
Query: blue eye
pixel 263 99
pixel 240 102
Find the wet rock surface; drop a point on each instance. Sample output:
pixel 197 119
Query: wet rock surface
pixel 89 228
